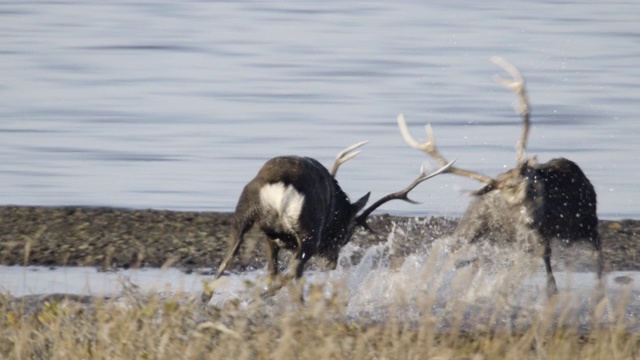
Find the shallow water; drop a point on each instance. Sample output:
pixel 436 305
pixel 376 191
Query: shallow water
pixel 507 292
pixel 176 105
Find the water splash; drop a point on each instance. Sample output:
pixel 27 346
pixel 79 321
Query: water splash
pixel 472 286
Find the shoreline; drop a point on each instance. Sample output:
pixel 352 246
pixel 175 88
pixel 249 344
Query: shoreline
pixel 112 238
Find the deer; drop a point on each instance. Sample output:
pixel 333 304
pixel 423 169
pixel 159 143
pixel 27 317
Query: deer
pixel 544 201
pixel 299 206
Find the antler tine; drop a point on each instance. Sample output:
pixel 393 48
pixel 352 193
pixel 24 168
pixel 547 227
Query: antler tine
pixel 518 80
pixel 517 85
pixel 430 148
pixel 346 154
pixel 403 194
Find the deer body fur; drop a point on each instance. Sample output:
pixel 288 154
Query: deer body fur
pixel 553 200
pixel 299 206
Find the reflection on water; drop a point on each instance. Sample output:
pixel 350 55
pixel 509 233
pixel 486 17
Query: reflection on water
pixel 177 105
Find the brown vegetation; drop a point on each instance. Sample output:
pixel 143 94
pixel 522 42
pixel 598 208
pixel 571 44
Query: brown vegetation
pixel 140 326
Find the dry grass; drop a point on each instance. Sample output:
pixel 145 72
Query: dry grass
pixel 142 326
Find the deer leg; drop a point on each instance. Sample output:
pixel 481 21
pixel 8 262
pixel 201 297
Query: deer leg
pixel 332 262
pixel 601 282
pixel 598 246
pixel 237 238
pixel 272 254
pixel 552 288
pixel 600 287
pixel 306 249
pixel 600 263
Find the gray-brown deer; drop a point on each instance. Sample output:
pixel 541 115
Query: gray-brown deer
pixel 545 201
pixel 298 205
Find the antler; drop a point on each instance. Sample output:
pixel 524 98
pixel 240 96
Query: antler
pixel 346 154
pixel 430 148
pixel 517 86
pixel 403 194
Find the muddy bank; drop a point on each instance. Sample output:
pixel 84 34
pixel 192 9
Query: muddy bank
pixel 111 238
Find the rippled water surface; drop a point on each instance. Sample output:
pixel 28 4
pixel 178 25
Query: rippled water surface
pixel 177 105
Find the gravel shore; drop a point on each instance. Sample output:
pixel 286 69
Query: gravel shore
pixel 111 238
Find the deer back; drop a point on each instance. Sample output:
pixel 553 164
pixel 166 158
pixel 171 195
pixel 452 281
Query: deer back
pixel 562 200
pixel 554 198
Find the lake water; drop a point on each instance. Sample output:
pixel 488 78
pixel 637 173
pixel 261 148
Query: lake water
pixel 177 105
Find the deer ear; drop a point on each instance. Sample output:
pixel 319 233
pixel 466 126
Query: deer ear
pixel 358 205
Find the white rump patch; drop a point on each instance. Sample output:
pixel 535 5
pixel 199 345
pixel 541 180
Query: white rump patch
pixel 286 201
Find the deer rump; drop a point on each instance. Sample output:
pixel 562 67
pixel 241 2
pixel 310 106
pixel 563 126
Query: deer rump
pixel 299 202
pixel 550 200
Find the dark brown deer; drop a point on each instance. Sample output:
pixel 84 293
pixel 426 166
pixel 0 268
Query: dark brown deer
pixel 544 201
pixel 299 206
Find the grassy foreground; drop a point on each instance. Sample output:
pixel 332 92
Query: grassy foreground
pixel 142 326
